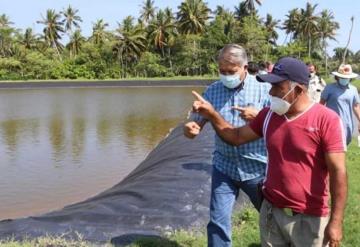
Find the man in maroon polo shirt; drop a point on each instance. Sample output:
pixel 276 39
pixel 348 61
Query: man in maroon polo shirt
pixel 306 158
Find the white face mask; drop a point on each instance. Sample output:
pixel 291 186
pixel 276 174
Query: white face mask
pixel 280 106
pixel 230 81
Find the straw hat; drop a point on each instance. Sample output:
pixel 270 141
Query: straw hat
pixel 345 71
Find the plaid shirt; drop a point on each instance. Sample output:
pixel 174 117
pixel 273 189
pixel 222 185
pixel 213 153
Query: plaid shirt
pixel 249 160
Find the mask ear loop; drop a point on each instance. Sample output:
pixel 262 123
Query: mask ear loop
pixel 292 85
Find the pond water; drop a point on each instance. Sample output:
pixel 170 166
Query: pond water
pixel 61 146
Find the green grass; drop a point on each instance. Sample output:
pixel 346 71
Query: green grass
pixel 352 214
pixel 356 83
pixel 245 222
pixel 47 241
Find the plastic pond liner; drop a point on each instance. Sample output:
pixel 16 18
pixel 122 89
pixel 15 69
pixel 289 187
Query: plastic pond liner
pixel 169 190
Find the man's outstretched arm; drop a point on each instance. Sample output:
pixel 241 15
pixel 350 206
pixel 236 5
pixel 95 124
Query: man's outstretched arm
pixel 227 132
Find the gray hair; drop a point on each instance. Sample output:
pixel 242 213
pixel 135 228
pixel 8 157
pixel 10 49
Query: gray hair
pixel 234 54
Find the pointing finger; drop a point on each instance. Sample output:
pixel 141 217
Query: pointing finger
pixel 238 108
pixel 198 96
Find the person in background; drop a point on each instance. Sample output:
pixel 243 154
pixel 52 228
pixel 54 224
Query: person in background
pixel 316 83
pixel 262 68
pixel 234 168
pixel 253 68
pixel 343 98
pixel 269 66
pixel 306 159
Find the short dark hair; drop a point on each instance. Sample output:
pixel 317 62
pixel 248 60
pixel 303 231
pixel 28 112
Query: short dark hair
pixel 268 64
pixel 312 64
pixel 262 65
pixel 253 68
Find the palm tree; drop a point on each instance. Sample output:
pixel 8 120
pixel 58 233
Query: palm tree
pixel 169 14
pixel 99 34
pixel 308 24
pixel 192 16
pixel 339 53
pixel 291 23
pixel 229 22
pixel 29 39
pixel 127 24
pixel 220 10
pixel 246 8
pixel 6 35
pixel 71 19
pixel 349 38
pixel 170 18
pixel 270 26
pixel 250 5
pixel 160 30
pixel 52 30
pixel 5 21
pixel 226 18
pixel 327 30
pixel 147 12
pixel 76 42
pixel 130 43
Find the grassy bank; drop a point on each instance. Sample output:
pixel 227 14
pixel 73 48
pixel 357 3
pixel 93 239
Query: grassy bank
pixel 356 83
pixel 174 78
pixel 245 226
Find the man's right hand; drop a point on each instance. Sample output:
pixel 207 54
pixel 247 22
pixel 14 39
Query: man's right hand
pixel 203 107
pixel 191 129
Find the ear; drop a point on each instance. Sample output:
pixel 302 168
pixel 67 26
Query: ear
pixel 299 89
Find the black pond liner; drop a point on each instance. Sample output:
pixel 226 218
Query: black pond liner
pixel 169 190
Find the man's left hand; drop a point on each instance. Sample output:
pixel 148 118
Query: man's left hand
pixel 333 234
pixel 247 113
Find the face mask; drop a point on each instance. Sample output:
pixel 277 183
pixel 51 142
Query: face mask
pixel 344 81
pixel 280 106
pixel 230 81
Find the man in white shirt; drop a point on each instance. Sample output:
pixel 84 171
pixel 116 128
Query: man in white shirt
pixel 316 84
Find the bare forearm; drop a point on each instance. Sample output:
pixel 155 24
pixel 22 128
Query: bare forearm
pixel 338 190
pixel 226 131
pixel 357 112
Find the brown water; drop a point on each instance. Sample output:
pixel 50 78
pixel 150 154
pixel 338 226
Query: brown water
pixel 61 146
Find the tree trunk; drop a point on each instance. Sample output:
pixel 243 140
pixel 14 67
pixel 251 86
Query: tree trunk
pixel 267 50
pixel 309 52
pixel 170 61
pixel 162 51
pixel 326 58
pixel 348 42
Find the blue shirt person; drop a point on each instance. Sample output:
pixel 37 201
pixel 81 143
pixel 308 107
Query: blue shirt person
pixel 234 168
pixel 343 98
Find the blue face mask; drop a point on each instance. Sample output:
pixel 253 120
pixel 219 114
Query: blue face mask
pixel 230 81
pixel 344 81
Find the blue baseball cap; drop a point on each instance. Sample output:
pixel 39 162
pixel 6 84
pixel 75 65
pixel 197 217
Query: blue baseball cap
pixel 287 68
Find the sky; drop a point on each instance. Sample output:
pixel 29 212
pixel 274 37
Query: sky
pixel 25 13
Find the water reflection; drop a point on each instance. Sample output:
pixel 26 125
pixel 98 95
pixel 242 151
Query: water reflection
pixel 12 130
pixel 57 137
pixel 103 131
pixel 148 129
pixel 78 138
pixel 77 142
